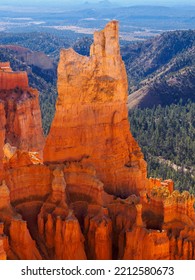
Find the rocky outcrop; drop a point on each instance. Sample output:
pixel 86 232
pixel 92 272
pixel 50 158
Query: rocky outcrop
pixel 69 241
pixel 21 242
pixel 83 184
pixel 58 226
pixel 90 199
pixel 11 80
pixel 4 195
pixel 28 182
pixel 99 235
pixel 2 133
pixel 5 67
pixel 143 244
pixel 19 112
pixel 19 245
pixel 91 120
pixel 2 252
pixel 14 158
pixel 4 243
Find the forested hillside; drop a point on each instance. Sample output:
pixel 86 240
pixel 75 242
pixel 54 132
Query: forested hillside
pixel 161 70
pixel 167 138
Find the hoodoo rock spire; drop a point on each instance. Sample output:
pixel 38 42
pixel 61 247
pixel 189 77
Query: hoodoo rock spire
pixel 91 121
pixel 90 197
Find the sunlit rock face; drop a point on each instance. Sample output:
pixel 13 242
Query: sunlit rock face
pixel 91 120
pixel 90 198
pixel 20 114
pixel 11 80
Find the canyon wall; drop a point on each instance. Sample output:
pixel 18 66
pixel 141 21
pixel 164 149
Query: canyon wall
pixel 2 133
pixel 90 198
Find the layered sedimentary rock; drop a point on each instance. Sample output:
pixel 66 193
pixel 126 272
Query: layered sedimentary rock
pixel 2 133
pixel 91 119
pixel 11 80
pixel 143 244
pixel 21 242
pixel 4 195
pixel 4 244
pixel 20 116
pixel 90 199
pixel 99 235
pixel 57 224
pixel 2 252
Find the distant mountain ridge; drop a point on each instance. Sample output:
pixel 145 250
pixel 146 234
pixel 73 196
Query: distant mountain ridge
pixel 161 70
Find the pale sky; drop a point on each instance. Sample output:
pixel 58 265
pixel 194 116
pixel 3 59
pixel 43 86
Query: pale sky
pixel 122 2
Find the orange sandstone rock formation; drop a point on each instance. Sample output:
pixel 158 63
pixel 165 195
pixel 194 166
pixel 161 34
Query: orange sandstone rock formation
pixel 91 119
pixel 21 242
pixel 2 133
pixel 20 114
pixel 99 236
pixel 90 199
pixel 2 252
pixel 11 80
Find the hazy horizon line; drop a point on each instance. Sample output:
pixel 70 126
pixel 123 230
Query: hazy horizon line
pixel 93 2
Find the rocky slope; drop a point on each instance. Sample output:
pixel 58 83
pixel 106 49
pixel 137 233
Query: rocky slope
pixel 38 59
pixel 161 70
pixel 90 197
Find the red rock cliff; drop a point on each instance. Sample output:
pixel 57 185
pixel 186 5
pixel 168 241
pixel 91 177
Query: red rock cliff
pixel 20 114
pixel 2 133
pixel 10 80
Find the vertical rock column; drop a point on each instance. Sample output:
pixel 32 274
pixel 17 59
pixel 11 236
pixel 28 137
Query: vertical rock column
pixel 99 236
pixel 69 240
pixel 2 252
pixel 3 240
pixel 21 241
pixel 91 120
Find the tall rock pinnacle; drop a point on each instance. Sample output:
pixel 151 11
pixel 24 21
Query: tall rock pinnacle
pixel 91 121
pixel 90 199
